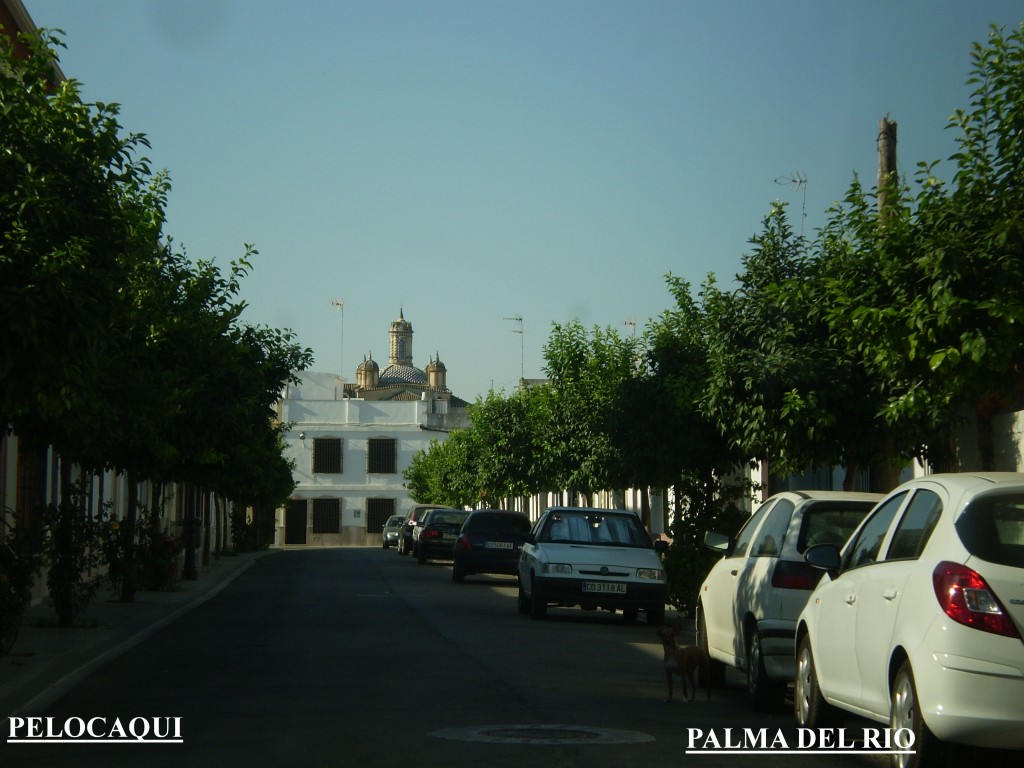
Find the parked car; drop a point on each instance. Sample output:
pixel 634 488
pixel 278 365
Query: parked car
pixel 411 521
pixel 918 622
pixel 434 537
pixel 490 542
pixel 392 530
pixel 592 558
pixel 750 600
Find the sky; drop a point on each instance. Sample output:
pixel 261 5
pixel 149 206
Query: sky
pixel 469 162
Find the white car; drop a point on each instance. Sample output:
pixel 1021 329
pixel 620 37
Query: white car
pixel 749 603
pixel 593 558
pixel 918 623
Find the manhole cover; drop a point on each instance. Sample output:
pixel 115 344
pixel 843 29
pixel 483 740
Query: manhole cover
pixel 543 734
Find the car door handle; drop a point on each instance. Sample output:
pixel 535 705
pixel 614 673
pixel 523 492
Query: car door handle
pixel 890 593
pixel 850 599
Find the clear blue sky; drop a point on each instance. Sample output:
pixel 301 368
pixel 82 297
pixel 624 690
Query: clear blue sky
pixel 473 160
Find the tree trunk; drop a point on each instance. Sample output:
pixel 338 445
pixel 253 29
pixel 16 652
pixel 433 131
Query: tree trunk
pixel 128 583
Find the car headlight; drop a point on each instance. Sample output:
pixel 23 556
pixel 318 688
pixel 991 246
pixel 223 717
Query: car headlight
pixel 556 568
pixel 650 573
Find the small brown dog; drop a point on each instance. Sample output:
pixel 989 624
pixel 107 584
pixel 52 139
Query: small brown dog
pixel 683 661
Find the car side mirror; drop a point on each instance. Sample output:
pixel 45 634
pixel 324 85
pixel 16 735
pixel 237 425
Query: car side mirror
pixel 719 543
pixel 660 546
pixel 529 539
pixel 825 557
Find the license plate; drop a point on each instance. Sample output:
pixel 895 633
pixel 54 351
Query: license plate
pixel 605 587
pixel 497 545
pixel 448 537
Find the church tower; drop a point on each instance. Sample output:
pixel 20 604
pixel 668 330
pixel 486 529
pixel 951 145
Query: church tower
pixel 401 341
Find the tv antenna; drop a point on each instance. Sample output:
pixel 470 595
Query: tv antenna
pixel 798 181
pixel 340 305
pixel 518 320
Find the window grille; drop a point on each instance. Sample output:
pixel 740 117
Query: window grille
pixel 381 456
pixel 326 515
pixel 377 513
pixel 327 455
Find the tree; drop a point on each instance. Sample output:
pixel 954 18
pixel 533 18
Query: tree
pixel 508 434
pixel 69 210
pixel 931 300
pixel 585 370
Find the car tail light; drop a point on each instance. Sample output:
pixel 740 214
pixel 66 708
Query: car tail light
pixel 464 543
pixel 795 575
pixel 430 533
pixel 966 598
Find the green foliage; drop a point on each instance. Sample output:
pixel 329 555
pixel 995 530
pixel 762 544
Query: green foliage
pixel 121 351
pixel 585 370
pixel 73 553
pixel 156 553
pixel 931 297
pixel 688 561
pixel 251 533
pixel 20 560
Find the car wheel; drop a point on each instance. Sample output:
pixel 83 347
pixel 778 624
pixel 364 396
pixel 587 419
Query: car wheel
pixel 421 556
pixel 716 669
pixel 524 601
pixel 538 604
pixel 763 692
pixel 809 706
pixel 905 713
pixel 458 572
pixel 384 544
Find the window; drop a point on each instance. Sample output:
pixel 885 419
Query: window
pixel 326 515
pixel 747 531
pixel 327 455
pixel 916 526
pixel 864 549
pixel 381 456
pixel 773 533
pixel 992 528
pixel 377 513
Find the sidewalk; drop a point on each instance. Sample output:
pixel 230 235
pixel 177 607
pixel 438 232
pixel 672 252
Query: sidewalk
pixel 47 661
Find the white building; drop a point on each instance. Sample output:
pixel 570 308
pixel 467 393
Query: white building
pixel 352 442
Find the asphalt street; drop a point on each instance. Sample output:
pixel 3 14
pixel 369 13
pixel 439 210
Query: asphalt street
pixel 361 657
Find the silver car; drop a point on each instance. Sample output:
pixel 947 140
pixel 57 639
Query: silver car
pixel 392 530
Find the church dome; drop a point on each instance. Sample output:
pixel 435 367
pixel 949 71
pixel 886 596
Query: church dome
pixel 368 365
pixel 401 374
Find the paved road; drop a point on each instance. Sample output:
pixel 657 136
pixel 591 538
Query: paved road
pixel 360 657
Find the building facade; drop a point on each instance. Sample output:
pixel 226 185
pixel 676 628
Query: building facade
pixel 351 443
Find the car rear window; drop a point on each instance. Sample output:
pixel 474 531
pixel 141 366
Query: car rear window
pixel 446 518
pixel 830 523
pixel 491 525
pixel 992 528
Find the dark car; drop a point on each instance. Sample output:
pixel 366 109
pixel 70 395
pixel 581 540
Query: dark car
pixel 414 517
pixel 489 542
pixel 435 537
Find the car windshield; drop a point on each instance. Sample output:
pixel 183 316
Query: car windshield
pixel 595 528
pixel 992 528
